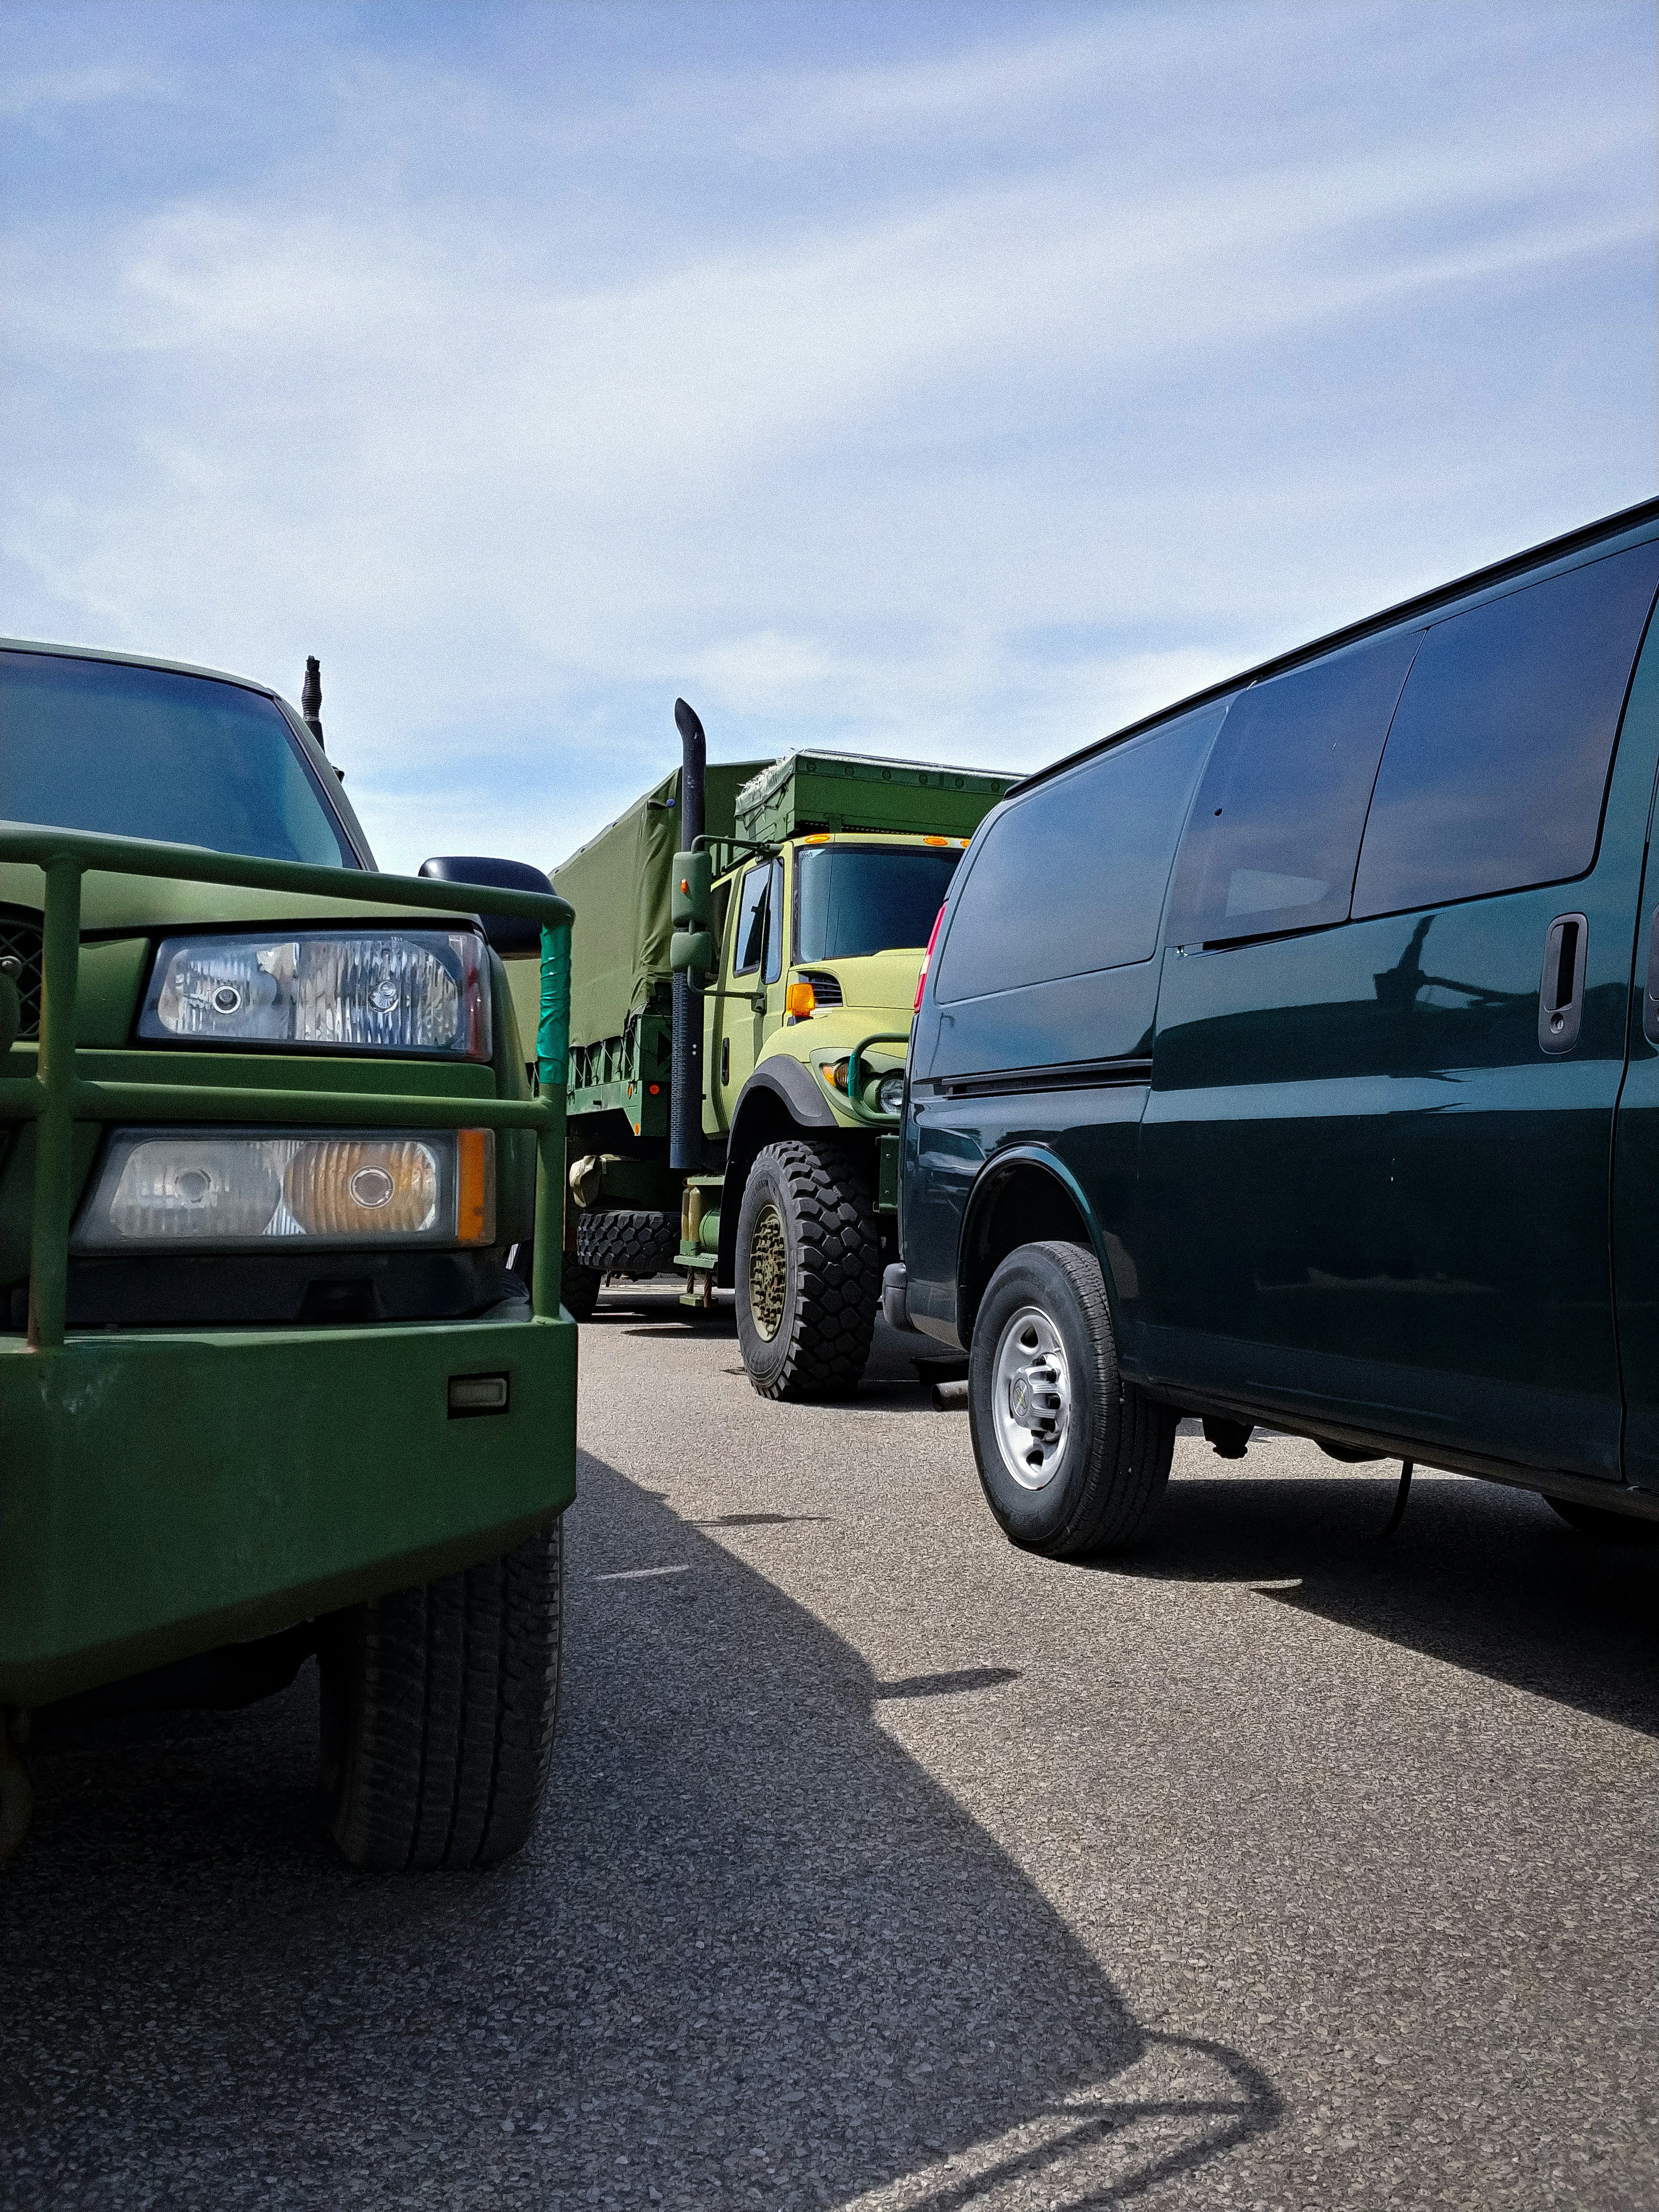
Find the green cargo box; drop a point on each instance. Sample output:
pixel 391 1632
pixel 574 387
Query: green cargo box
pixel 808 792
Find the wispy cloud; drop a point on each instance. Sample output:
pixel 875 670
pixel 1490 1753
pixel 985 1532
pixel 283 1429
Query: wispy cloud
pixel 967 397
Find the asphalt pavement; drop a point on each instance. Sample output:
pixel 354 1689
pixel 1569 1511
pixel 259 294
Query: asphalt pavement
pixel 888 1866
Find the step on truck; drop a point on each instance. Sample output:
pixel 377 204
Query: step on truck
pixel 743 975
pixel 271 1383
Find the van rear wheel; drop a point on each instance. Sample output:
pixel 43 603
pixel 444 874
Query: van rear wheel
pixel 1073 1461
pixel 808 1273
pixel 438 1710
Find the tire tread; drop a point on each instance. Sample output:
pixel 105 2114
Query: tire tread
pixel 626 1241
pixel 1134 1435
pixel 832 1225
pixel 447 1697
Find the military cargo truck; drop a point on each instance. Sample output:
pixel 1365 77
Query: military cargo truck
pixel 744 974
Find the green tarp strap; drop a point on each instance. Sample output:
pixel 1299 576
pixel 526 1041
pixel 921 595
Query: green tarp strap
pixel 553 1032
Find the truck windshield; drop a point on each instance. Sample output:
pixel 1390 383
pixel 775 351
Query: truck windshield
pixel 854 899
pixel 144 752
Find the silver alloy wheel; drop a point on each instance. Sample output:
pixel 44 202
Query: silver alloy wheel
pixel 1031 1398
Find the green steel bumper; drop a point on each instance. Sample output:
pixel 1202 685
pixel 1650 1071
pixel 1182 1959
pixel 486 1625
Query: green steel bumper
pixel 163 1492
pixel 168 1492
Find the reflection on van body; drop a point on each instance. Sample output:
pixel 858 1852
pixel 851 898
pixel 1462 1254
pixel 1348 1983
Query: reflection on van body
pixel 1335 1086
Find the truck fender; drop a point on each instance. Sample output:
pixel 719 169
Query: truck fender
pixel 779 1099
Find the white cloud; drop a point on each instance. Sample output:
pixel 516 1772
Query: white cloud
pixel 983 462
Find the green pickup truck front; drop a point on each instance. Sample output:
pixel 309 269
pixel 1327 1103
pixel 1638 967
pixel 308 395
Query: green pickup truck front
pixel 176 1484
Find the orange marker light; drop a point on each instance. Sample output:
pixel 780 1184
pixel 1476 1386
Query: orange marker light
pixel 475 1193
pixel 799 999
pixel 938 841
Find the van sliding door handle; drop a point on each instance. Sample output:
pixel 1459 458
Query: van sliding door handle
pixel 1561 993
pixel 1650 994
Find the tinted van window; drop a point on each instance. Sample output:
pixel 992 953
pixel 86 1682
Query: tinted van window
pixel 1497 761
pixel 1275 828
pixel 1071 878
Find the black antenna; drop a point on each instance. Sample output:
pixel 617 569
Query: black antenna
pixel 310 697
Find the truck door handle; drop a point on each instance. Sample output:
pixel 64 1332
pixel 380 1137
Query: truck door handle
pixel 1561 993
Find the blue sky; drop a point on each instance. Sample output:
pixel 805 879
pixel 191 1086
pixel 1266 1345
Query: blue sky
pixel 954 381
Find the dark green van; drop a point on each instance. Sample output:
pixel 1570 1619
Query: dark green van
pixel 1292 1058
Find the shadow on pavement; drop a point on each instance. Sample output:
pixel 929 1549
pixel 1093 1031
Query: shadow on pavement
pixel 754 1955
pixel 1480 1577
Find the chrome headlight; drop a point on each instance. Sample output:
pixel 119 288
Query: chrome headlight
pixel 162 1189
pixel 403 990
pixel 890 1096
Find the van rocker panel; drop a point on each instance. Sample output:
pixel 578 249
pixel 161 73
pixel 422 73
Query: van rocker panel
pixel 166 1493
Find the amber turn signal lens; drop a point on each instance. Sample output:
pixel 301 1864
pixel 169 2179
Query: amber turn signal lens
pixel 799 999
pixel 372 1185
pixel 475 1197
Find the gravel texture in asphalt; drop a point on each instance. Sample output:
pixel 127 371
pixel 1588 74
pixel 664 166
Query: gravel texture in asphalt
pixel 888 1866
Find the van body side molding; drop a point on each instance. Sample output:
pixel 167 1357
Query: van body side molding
pixel 1068 1075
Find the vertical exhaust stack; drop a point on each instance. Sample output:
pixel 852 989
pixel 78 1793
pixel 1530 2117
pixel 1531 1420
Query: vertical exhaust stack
pixel 310 697
pixel 685 1090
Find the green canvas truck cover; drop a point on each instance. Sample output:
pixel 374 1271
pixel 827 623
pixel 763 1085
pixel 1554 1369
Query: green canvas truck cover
pixel 806 793
pixel 619 885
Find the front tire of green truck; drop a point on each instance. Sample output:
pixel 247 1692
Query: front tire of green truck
pixel 438 1710
pixel 808 1272
pixel 580 1288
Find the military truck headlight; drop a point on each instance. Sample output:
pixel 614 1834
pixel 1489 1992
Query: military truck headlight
pixel 387 990
pixel 165 1189
pixel 890 1095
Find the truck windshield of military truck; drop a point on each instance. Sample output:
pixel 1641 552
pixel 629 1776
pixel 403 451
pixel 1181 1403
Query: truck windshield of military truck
pixel 148 752
pixel 857 899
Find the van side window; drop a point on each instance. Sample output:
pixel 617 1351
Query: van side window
pixel 1072 879
pixel 1496 765
pixel 748 944
pixel 1275 828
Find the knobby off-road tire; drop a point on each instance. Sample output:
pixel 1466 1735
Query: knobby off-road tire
pixel 618 1241
pixel 808 1269
pixel 439 1706
pixel 1073 1461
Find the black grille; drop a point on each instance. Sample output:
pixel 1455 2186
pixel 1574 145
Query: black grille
pixel 20 939
pixel 826 989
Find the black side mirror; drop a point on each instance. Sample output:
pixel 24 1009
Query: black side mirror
pixel 510 934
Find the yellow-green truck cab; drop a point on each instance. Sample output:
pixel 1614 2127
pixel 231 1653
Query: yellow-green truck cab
pixel 743 975
pixel 272 1384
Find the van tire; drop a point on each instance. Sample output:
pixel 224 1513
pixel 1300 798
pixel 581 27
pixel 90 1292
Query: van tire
pixel 1107 1477
pixel 617 1240
pixel 438 1710
pixel 813 1203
